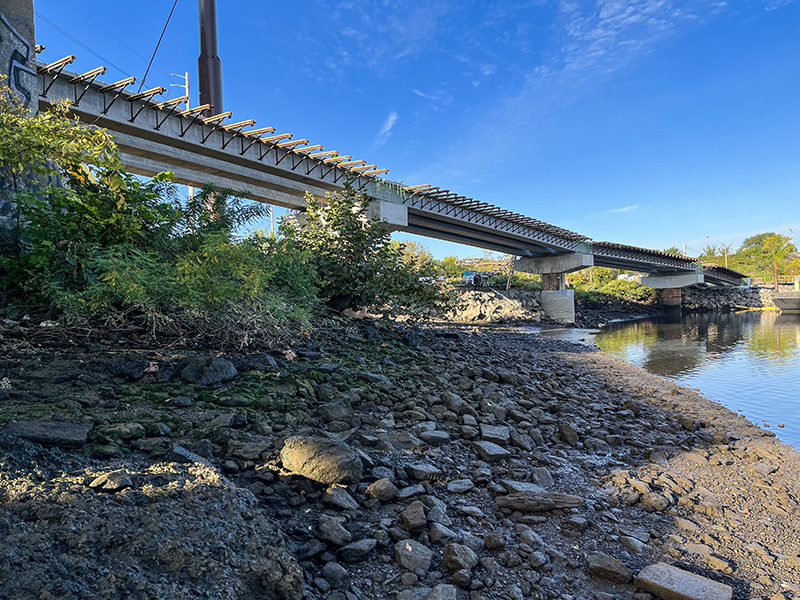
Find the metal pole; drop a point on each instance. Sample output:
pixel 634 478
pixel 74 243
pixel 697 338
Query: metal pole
pixel 775 274
pixel 209 66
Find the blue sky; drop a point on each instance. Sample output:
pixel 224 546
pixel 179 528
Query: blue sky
pixel 646 122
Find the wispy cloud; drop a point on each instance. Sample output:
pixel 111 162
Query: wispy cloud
pixel 386 130
pixel 776 4
pixel 624 209
pixel 442 96
pixel 615 211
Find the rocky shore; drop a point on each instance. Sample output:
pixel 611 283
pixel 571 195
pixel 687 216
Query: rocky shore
pixel 437 463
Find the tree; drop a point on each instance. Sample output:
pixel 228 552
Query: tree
pixel 758 253
pixel 356 262
pixel 673 250
pixel 417 255
pixel 452 267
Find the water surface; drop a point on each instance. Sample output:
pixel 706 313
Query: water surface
pixel 748 361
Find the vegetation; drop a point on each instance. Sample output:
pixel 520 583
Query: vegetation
pixel 94 242
pixel 602 283
pixel 356 261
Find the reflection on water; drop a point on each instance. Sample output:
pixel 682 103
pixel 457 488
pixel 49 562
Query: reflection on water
pixel 749 361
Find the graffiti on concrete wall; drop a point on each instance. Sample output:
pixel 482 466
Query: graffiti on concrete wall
pixel 15 62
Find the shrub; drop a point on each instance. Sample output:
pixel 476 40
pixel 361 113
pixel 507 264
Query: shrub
pixel 356 262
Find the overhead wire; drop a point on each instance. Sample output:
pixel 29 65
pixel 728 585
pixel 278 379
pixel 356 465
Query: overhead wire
pixel 174 4
pixel 81 44
pixel 88 16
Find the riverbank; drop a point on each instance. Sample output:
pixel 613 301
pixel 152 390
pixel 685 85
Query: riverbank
pixel 472 461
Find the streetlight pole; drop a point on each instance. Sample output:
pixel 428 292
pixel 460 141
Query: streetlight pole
pixel 209 66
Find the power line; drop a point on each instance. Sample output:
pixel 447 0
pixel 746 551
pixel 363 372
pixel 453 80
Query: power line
pixel 144 58
pixel 141 85
pixel 81 44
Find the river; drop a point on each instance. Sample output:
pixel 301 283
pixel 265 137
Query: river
pixel 747 361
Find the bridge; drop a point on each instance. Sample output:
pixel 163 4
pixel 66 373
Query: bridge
pixel 156 134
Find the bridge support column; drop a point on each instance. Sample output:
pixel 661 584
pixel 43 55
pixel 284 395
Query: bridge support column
pixel 558 303
pixel 671 297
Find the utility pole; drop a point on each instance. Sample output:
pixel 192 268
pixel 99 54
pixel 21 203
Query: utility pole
pixel 209 66
pixel 188 102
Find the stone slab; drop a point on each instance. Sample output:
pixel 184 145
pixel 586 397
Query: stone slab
pixel 50 433
pixel 670 583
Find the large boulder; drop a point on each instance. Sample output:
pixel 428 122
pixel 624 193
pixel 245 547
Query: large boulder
pixel 325 461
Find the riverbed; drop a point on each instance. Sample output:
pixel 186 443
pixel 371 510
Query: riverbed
pixel 748 361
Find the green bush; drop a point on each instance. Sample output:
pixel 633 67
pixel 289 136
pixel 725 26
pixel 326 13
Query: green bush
pixel 356 262
pixel 629 290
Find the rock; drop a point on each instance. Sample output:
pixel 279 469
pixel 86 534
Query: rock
pixel 537 559
pixel 460 486
pixel 440 534
pixel 607 567
pixel 49 433
pixel 129 367
pixel 310 548
pixel 335 574
pixel 509 377
pixel 655 501
pixel 719 564
pixel 338 496
pixel 494 433
pixel 233 402
pixel 698 549
pixel 248 450
pixel 181 401
pixel 381 382
pixel 457 556
pixel 207 370
pixel 686 524
pixel 491 452
pixel 333 531
pixel 112 482
pixel 400 440
pixel 423 471
pixel 541 476
pixel 671 583
pixel 182 455
pixel 357 550
pixel 632 544
pixel 529 502
pixel 125 431
pixel 335 411
pixel 413 518
pixel 435 437
pixel 495 541
pixel 413 556
pixel 442 591
pixel 324 461
pixel 514 487
pixel 383 489
pixel 410 492
pixel 568 433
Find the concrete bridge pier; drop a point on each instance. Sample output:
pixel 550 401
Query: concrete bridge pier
pixel 672 284
pixel 558 303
